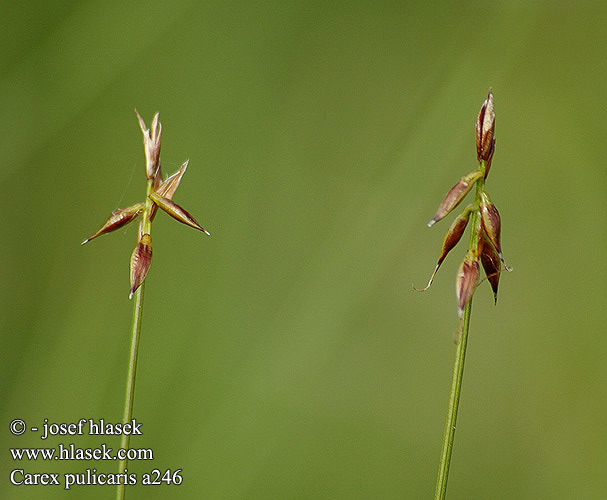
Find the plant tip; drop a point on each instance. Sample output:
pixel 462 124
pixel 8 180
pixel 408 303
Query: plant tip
pixel 430 280
pixel 422 289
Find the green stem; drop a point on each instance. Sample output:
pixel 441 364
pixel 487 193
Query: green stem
pixel 130 381
pixel 456 384
pixel 458 366
pixel 134 352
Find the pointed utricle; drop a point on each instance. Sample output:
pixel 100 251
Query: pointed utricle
pixel 455 195
pixel 485 127
pixel 141 259
pixel 454 234
pixel 491 263
pixel 491 223
pixel 177 212
pixel 465 281
pixel 166 189
pixel 118 218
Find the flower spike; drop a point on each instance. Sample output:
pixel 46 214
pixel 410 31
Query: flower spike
pixel 485 245
pixel 159 194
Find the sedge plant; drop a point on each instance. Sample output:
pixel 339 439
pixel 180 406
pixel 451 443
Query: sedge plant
pixel 484 250
pixel 159 194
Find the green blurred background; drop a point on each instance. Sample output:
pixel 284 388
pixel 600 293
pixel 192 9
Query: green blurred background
pixel 286 356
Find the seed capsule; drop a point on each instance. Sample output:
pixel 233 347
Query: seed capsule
pixel 491 263
pixel 156 184
pixel 167 188
pixel 119 218
pixel 465 281
pixel 454 234
pixel 175 211
pixel 141 259
pixel 455 195
pixel 491 223
pixel 485 126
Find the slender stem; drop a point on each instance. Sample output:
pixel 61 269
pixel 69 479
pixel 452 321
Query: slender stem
pixel 456 384
pixel 458 366
pixel 130 382
pixel 134 352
